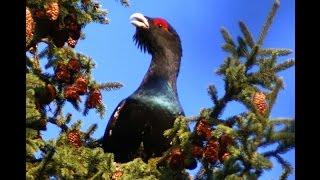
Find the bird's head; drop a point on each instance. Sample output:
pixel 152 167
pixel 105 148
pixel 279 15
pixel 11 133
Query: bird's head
pixel 155 35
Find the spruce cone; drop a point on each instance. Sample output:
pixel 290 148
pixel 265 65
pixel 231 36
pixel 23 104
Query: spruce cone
pixel 259 101
pixel 117 175
pixel 211 151
pixel 62 74
pixel 71 93
pixel 74 138
pixel 52 11
pixel 73 65
pixel 30 24
pixel 176 159
pixel 71 42
pixel 197 151
pixel 203 129
pixel 81 84
pixel 94 99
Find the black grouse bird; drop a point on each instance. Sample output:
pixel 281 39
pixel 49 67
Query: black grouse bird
pixel 141 119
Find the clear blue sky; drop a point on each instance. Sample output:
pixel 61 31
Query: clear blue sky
pixel 198 23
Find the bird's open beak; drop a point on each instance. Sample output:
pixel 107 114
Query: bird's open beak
pixel 138 20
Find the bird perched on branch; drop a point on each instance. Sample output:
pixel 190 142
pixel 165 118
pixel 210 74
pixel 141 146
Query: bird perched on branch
pixel 140 120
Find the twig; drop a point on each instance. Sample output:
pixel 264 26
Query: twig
pixel 64 127
pixel 45 161
pixel 221 104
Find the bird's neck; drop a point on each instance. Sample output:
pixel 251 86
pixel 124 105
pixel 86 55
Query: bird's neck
pixel 165 66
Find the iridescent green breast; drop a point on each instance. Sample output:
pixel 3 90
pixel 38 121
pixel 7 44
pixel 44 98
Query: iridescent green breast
pixel 159 94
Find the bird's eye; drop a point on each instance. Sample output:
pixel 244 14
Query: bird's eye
pixel 160 25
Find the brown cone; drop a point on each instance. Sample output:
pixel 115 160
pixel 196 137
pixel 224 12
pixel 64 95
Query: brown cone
pixel 71 93
pixel 260 103
pixel 81 83
pixel 211 152
pixel 73 65
pixel 203 129
pixel 52 11
pixel 62 74
pixel 117 175
pixel 94 99
pixel 176 159
pixel 71 42
pixel 74 138
pixel 30 24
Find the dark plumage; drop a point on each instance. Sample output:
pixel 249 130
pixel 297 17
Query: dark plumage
pixel 141 119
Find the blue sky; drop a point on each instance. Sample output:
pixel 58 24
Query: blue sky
pixel 198 23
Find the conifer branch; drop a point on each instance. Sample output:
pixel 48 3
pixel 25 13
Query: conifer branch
pixel 242 48
pixel 110 86
pixel 274 153
pixel 68 118
pixel 59 103
pixel 85 111
pixel 45 161
pixel 283 66
pixel 286 167
pixel 36 61
pixel 90 131
pixel 273 95
pixel 251 59
pixel 227 37
pixel 200 174
pixel 280 121
pixel 247 35
pixel 220 105
pixel 101 109
pixel 230 48
pixel 212 91
pixel 276 51
pixel 192 118
pixel 268 22
pixel 233 120
pixel 60 123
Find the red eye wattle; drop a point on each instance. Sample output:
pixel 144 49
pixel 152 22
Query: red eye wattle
pixel 161 23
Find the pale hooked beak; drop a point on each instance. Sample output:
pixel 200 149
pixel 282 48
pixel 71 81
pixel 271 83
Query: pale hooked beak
pixel 138 20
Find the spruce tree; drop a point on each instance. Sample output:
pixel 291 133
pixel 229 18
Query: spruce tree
pixel 225 148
